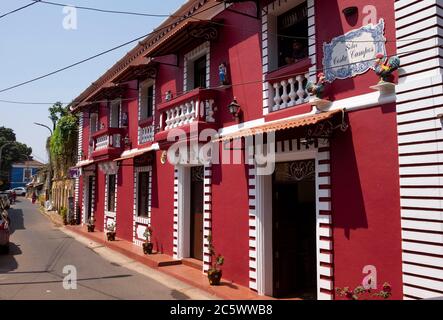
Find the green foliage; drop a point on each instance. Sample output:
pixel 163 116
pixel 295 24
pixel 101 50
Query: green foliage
pixel 63 143
pixel 64 214
pixel 56 112
pixel 14 152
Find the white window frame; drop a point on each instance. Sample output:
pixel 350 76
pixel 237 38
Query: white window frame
pixel 189 59
pixel 113 104
pixel 24 174
pixel 142 97
pixel 274 10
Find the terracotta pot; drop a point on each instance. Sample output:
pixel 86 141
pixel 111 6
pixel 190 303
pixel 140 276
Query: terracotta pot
pixel 110 235
pixel 91 227
pixel 147 247
pixel 214 277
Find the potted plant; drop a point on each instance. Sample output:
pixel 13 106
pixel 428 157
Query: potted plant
pixel 91 224
pixel 217 260
pixel 64 215
pixel 148 246
pixel 110 233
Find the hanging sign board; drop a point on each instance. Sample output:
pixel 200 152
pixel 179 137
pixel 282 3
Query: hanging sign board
pixel 353 53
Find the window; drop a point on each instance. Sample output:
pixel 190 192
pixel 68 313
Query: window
pixel 114 114
pixel 292 30
pixel 200 72
pixel 111 192
pixel 93 122
pixel 27 174
pixel 196 67
pixel 143 194
pixel 146 100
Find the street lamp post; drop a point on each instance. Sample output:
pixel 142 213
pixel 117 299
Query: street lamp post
pixel 48 184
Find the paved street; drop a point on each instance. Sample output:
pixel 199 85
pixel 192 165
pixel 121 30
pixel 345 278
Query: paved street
pixel 40 251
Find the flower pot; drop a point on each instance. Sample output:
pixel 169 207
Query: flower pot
pixel 110 235
pixel 214 277
pixel 147 248
pixel 91 227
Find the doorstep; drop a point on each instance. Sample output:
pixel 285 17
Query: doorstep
pixel 185 271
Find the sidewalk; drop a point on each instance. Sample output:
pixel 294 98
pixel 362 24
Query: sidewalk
pixel 175 268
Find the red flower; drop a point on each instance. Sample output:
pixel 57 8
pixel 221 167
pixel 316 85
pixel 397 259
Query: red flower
pixel 387 288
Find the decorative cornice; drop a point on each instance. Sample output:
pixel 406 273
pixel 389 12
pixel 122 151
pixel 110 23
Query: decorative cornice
pixel 141 49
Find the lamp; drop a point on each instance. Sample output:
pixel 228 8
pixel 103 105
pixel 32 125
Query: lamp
pixel 234 108
pixel 350 11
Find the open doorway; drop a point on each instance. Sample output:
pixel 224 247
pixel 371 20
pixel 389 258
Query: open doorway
pixel 294 230
pixel 196 213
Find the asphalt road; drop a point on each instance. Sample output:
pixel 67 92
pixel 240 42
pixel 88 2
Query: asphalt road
pixel 38 253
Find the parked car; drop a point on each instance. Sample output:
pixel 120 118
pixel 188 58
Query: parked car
pixel 4 198
pixel 20 191
pixel 4 229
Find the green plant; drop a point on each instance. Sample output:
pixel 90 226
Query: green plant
pixel 64 214
pixel 217 260
pixel 110 227
pixel 148 233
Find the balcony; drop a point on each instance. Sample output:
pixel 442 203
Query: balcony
pixel 196 107
pixel 287 85
pixel 146 131
pixel 107 143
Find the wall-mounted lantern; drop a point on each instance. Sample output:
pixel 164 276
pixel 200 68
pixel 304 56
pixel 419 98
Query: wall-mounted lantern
pixel 350 11
pixel 234 108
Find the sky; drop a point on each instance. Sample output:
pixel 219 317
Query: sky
pixel 34 41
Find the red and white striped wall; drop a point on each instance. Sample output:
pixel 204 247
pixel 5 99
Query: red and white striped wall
pixel 79 158
pixel 260 220
pixel 175 235
pixel 207 216
pixel 420 140
pixel 140 223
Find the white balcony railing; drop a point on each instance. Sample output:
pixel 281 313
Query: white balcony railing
pixel 146 134
pixel 180 115
pixel 289 92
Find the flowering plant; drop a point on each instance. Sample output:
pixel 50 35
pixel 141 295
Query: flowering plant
pixel 91 221
pixel 148 233
pixel 355 294
pixel 111 227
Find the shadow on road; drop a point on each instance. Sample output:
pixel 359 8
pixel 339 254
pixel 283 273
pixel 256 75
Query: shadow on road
pixel 17 220
pixel 7 261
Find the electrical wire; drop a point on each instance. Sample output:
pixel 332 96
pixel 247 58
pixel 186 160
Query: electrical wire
pixel 105 10
pixel 179 93
pixel 19 9
pixel 212 22
pixel 104 52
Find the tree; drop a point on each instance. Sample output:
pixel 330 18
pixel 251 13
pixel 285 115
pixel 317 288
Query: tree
pixel 15 152
pixel 56 112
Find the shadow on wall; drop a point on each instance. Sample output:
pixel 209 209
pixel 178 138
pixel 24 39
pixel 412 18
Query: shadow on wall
pixel 349 212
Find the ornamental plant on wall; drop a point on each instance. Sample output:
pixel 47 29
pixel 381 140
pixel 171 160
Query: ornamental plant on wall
pixel 360 292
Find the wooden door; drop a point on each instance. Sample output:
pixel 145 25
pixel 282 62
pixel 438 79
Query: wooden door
pixel 294 230
pixel 197 213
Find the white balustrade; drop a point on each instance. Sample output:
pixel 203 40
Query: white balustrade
pixel 146 134
pixel 181 115
pixel 289 92
pixel 101 143
pixel 108 140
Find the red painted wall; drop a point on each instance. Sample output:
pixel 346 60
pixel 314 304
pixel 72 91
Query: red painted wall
pixel 230 220
pixel 331 22
pixel 162 202
pixel 125 200
pixel 366 200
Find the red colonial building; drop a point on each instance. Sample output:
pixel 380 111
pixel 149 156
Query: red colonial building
pixel 211 126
